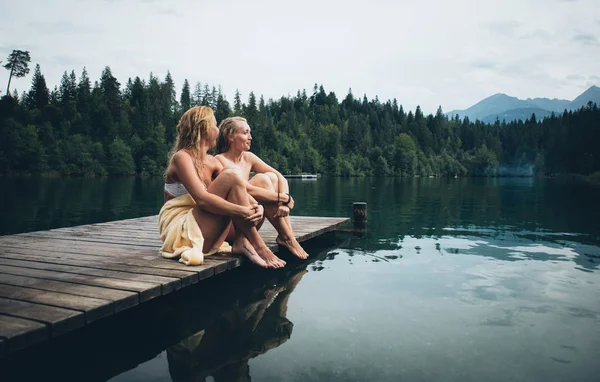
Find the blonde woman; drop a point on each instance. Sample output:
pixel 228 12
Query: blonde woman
pixel 268 186
pixel 198 211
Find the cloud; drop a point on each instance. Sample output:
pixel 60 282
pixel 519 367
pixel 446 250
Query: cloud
pixel 518 48
pixel 170 12
pixel 61 27
pixel 536 34
pixel 484 64
pixel 586 39
pixel 507 28
pixel 68 62
pixel 594 78
pixel 575 77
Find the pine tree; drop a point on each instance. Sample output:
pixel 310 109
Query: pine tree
pixel 197 95
pixel 206 96
pixel 237 103
pixel 18 64
pixel 111 93
pixel 185 99
pixel 39 95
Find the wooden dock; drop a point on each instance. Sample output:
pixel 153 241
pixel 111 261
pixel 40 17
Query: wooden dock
pixel 53 282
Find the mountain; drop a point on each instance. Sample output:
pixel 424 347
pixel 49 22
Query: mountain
pixel 493 105
pixel 592 94
pixel 555 104
pixel 501 106
pixel 516 114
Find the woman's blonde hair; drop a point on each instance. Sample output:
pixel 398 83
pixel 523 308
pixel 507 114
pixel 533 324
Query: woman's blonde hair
pixel 193 124
pixel 226 128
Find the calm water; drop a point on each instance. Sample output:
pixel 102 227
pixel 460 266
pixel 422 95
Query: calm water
pixel 455 280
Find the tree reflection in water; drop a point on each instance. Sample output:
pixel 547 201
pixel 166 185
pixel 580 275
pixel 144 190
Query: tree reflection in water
pixel 224 347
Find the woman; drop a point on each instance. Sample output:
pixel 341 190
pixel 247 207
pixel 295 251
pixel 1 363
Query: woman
pixel 268 186
pixel 198 210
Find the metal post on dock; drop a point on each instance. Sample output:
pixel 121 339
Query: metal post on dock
pixel 359 217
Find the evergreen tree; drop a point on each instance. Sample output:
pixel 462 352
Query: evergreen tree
pixel 237 103
pixel 120 161
pixel 39 95
pixel 185 99
pixel 18 65
pixel 111 93
pixel 197 96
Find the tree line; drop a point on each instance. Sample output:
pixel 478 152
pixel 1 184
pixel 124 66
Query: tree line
pixel 100 128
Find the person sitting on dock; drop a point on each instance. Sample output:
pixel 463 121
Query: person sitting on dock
pixel 198 211
pixel 268 186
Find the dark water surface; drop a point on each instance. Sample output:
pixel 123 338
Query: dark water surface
pixel 455 280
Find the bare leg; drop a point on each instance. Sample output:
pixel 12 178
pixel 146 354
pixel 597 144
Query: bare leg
pixel 215 228
pixel 283 226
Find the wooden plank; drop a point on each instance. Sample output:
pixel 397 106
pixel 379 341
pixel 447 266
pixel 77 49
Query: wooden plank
pixel 168 284
pixel 223 263
pixel 186 278
pixel 59 320
pixel 144 259
pixel 93 308
pixel 86 248
pixel 109 240
pixel 120 299
pixel 19 333
pixel 146 290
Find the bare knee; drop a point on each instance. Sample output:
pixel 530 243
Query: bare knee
pixel 262 181
pixel 275 180
pixel 233 177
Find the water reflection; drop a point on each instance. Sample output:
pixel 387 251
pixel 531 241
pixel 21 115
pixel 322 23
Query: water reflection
pixel 222 349
pixel 36 203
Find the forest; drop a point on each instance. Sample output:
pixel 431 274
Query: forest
pixel 105 128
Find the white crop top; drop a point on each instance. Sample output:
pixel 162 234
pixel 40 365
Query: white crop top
pixel 176 189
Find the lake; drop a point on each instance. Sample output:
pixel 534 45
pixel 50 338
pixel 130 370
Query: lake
pixel 453 280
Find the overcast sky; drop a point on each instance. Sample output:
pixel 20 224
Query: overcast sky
pixel 421 52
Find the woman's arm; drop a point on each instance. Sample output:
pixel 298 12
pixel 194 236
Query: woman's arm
pixel 186 172
pixel 261 194
pixel 264 196
pixel 259 165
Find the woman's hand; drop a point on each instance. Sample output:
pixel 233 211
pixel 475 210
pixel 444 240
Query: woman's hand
pixel 290 204
pixel 257 214
pixel 282 211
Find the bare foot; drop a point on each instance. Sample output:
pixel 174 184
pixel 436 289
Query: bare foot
pixel 293 246
pixel 270 258
pixel 243 247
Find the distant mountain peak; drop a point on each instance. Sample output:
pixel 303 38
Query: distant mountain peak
pixel 502 106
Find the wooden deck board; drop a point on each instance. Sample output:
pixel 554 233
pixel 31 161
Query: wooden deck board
pixel 59 320
pixel 146 259
pixel 186 278
pixel 146 290
pixel 120 299
pixel 19 333
pixel 93 308
pixel 55 281
pixel 168 284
